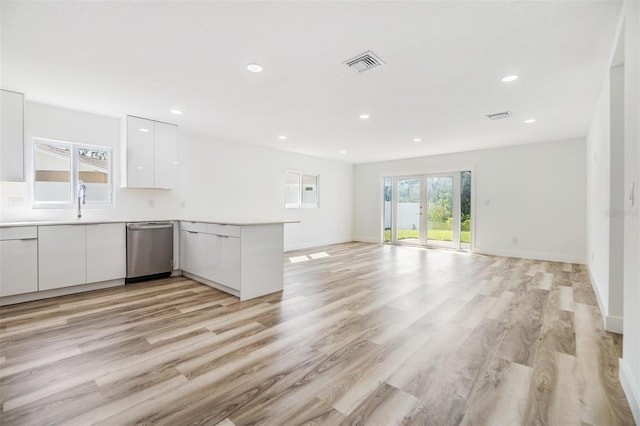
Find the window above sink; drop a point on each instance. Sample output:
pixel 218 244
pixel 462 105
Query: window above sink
pixel 59 167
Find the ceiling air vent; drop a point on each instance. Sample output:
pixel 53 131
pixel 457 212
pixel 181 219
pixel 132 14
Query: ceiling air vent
pixel 499 115
pixel 364 61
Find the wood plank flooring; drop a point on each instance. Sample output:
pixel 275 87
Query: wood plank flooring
pixel 368 335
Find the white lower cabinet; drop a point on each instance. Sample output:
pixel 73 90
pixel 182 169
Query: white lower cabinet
pixel 62 256
pixel 72 255
pixel 18 260
pixel 223 254
pixel 106 247
pixel 193 252
pixel 242 260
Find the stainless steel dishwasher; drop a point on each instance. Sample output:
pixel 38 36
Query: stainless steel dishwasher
pixel 149 250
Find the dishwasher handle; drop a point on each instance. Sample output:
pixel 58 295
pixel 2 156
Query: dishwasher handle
pixel 149 225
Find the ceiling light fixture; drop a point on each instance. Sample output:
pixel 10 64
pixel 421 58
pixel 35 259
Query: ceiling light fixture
pixel 364 116
pixel 254 68
pixel 144 130
pixel 175 111
pixel 510 78
pixel 344 151
pixel 417 140
pixel 530 121
pixel 282 137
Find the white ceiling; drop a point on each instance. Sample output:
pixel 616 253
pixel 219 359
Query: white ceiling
pixel 444 64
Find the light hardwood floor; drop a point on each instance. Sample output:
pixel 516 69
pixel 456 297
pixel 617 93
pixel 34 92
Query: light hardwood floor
pixel 371 334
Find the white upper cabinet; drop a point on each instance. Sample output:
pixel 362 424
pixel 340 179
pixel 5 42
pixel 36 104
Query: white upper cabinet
pixel 11 136
pixel 149 154
pixel 165 158
pixel 139 153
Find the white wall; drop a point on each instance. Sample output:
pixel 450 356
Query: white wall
pixel 605 199
pixel 233 180
pixel 535 193
pixel 218 180
pixel 630 362
pixel 51 122
pixel 598 183
pixel 613 165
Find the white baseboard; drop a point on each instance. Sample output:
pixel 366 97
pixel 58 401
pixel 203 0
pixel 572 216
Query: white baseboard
pixel 610 323
pixel 301 246
pixel 613 324
pixel 366 240
pixel 631 389
pixel 28 297
pixel 550 257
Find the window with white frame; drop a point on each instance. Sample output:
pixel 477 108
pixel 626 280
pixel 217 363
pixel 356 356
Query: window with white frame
pixel 301 190
pixel 59 167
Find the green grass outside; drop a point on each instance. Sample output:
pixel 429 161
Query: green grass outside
pixel 432 234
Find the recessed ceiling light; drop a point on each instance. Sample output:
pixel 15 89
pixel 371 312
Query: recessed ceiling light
pixel 364 116
pixel 282 137
pixel 176 112
pixel 510 78
pixel 254 68
pixel 529 121
pixel 417 140
pixel 344 151
pixel 144 130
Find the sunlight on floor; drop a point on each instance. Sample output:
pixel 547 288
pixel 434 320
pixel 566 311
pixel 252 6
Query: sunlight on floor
pixel 304 258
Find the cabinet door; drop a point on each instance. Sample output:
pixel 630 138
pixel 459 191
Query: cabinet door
pixel 139 153
pixel 106 252
pixel 210 259
pixel 11 136
pixel 193 253
pixel 62 258
pixel 18 266
pixel 185 248
pixel 165 155
pixel 226 261
pixel 198 252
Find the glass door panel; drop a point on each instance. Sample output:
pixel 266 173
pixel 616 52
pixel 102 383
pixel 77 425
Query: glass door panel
pixel 429 210
pixel 386 210
pixel 407 210
pixel 440 220
pixel 465 210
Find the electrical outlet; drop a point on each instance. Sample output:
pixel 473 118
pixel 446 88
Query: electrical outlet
pixel 515 240
pixel 151 202
pixel 183 204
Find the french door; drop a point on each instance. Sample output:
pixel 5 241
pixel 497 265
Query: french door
pixel 428 210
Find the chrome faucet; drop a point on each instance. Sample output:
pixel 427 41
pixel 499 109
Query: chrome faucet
pixel 82 196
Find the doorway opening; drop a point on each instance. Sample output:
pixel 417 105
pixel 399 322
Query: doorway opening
pixel 428 210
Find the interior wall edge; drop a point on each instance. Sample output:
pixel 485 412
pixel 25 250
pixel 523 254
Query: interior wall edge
pixel 604 311
pixel 631 392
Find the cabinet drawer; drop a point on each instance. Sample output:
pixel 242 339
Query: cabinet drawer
pixel 222 229
pixel 18 233
pixel 193 226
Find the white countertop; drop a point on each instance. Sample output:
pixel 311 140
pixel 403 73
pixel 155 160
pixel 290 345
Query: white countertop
pixel 238 222
pixel 241 222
